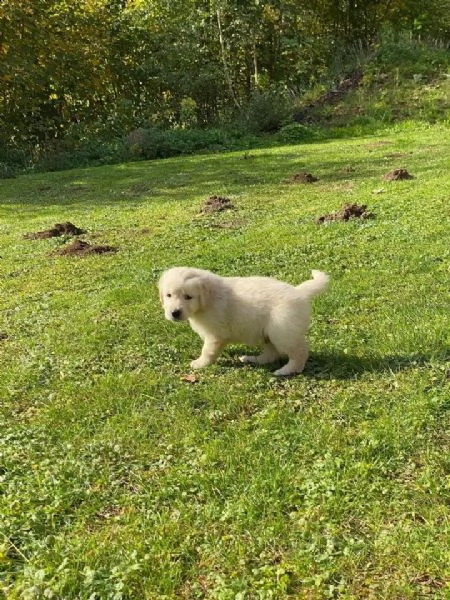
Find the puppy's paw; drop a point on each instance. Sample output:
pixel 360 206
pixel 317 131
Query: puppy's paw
pixel 287 371
pixel 247 359
pixel 199 363
pixel 282 373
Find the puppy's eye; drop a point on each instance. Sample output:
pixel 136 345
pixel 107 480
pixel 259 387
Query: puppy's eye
pixel 169 295
pixel 187 297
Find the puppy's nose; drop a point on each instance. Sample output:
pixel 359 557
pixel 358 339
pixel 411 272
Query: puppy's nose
pixel 176 314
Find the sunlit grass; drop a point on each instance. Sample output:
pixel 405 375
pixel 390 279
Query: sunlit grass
pixel 120 479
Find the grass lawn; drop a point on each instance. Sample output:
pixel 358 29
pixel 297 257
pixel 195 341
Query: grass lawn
pixel 122 478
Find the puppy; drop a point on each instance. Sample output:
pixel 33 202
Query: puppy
pixel 250 310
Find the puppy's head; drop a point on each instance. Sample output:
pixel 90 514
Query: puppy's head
pixel 183 292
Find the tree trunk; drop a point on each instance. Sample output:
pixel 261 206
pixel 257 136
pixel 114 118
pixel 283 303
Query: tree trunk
pixel 224 57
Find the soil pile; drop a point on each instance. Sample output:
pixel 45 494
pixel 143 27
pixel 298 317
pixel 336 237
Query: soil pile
pixel 302 177
pixel 397 174
pixel 347 212
pixel 80 248
pixel 217 204
pixel 57 230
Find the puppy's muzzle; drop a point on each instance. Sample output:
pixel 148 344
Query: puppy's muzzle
pixel 176 314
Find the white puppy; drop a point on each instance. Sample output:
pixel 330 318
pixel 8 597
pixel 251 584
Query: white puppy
pixel 250 310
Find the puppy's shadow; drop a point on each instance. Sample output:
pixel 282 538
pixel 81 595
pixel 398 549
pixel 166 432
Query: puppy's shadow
pixel 323 365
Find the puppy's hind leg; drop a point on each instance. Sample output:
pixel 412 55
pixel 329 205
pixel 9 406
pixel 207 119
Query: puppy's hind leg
pixel 269 354
pixel 297 360
pixel 212 347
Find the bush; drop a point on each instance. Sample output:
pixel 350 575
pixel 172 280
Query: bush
pixel 70 153
pixel 295 133
pixel 13 159
pixel 411 57
pixel 154 142
pixel 267 111
pixel 6 171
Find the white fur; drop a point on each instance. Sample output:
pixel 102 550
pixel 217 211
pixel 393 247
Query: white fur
pixel 250 310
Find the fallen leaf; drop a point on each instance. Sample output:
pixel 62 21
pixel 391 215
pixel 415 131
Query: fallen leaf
pixel 189 378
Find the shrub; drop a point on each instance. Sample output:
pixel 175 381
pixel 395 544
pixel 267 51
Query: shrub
pixel 267 111
pixel 409 56
pixel 154 142
pixel 295 133
pixel 6 171
pixel 70 153
pixel 188 112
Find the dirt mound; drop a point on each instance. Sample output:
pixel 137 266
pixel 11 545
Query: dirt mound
pixel 347 212
pixel 57 230
pixel 397 174
pixel 80 248
pixel 217 204
pixel 302 177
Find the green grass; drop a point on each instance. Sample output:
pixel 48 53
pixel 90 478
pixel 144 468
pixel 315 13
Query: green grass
pixel 119 479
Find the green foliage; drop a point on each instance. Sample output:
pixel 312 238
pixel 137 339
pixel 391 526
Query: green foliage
pixel 12 161
pixel 76 77
pixel 409 56
pixel 414 86
pixel 161 143
pixel 83 148
pixel 295 133
pixel 7 171
pixel 267 111
pixel 188 112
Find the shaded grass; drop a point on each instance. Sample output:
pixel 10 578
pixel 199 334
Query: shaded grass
pixel 120 479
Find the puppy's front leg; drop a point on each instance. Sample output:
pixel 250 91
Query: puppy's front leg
pixel 210 351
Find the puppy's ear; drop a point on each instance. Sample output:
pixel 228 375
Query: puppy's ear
pixel 205 292
pixel 160 288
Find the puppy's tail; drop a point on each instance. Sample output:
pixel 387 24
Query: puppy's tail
pixel 314 286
